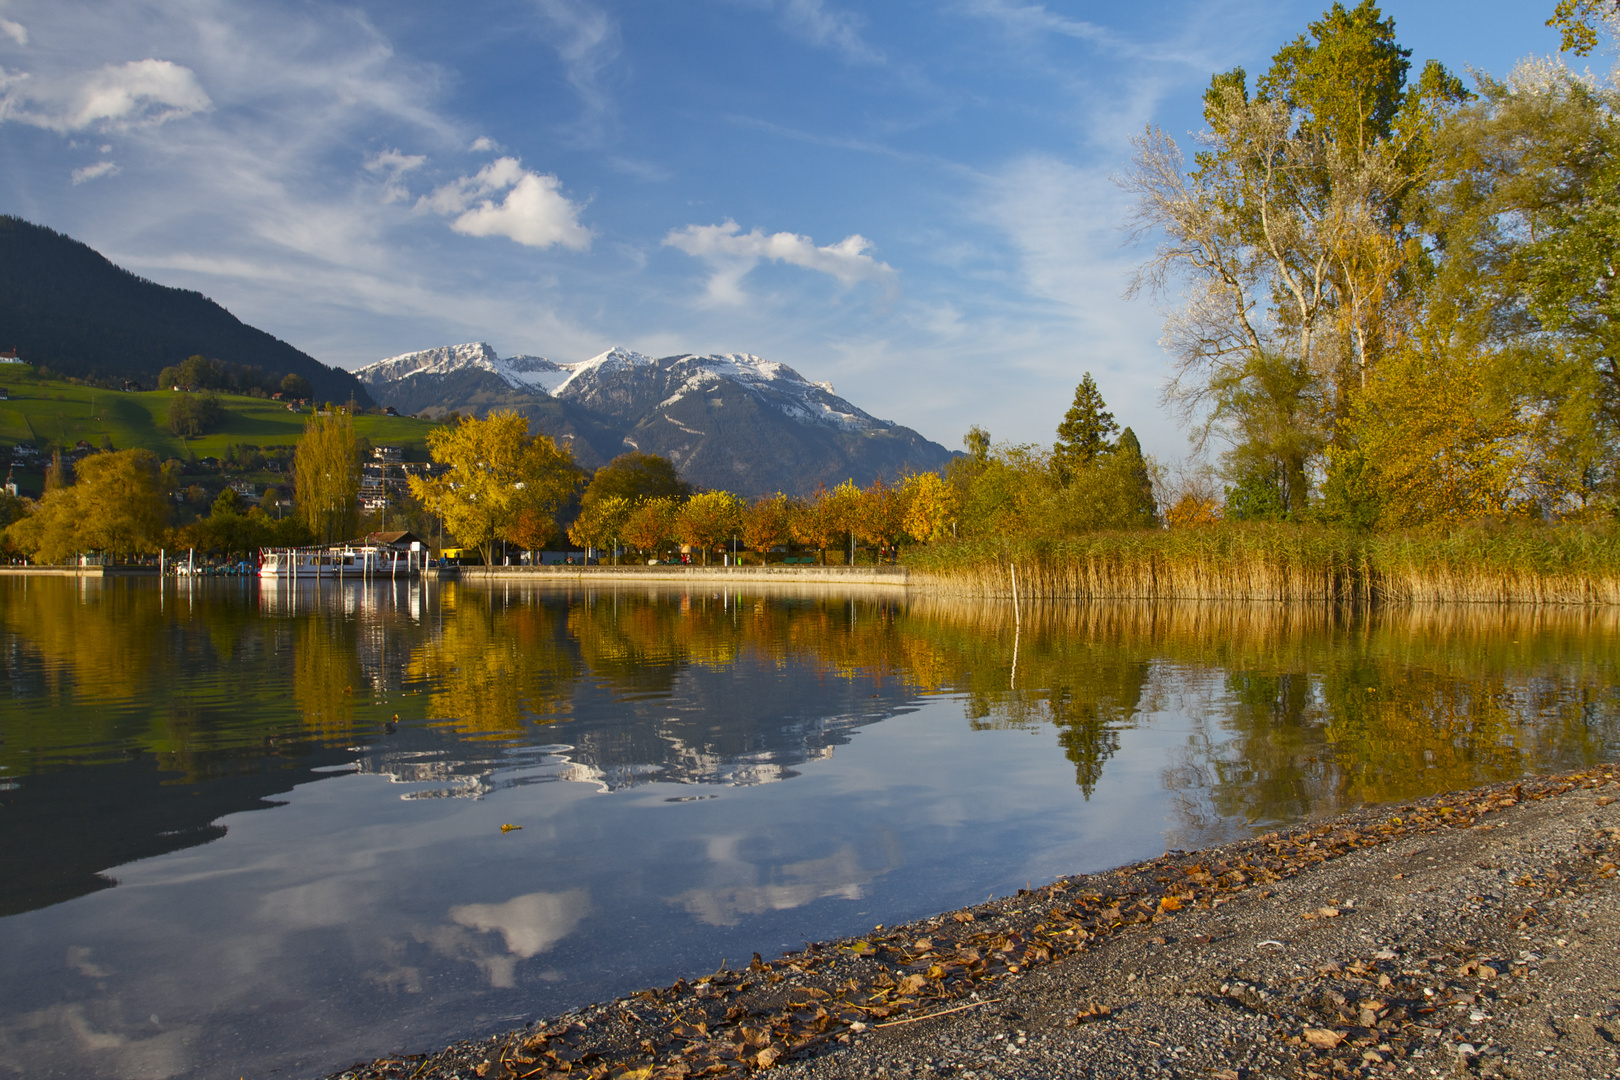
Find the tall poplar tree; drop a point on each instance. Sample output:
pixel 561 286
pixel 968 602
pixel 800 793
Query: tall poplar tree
pixel 326 477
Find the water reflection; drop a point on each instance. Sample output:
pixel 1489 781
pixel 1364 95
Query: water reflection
pixel 934 751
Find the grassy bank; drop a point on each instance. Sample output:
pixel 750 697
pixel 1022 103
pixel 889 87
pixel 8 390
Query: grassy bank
pixel 1263 561
pixel 56 413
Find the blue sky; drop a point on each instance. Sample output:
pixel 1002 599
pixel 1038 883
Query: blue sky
pixel 910 199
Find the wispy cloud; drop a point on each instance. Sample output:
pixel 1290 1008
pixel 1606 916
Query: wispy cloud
pixel 826 26
pixel 392 166
pixel 16 31
pixel 822 25
pixel 533 211
pixel 94 172
pixel 587 41
pixel 140 93
pixel 732 253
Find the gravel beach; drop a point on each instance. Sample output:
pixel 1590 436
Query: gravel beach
pixel 1475 933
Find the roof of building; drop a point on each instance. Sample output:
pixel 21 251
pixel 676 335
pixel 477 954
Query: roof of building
pixel 394 539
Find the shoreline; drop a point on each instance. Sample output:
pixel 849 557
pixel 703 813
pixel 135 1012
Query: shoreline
pixel 1388 941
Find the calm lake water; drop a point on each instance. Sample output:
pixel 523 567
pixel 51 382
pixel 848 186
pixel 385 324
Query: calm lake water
pixel 258 832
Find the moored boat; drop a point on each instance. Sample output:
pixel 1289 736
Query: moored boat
pixel 340 561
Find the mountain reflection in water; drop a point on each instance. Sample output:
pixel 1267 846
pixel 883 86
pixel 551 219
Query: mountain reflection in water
pixel 937 751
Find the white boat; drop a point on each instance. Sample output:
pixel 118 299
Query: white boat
pixel 350 561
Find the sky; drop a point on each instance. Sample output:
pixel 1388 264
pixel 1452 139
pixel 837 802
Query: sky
pixel 914 200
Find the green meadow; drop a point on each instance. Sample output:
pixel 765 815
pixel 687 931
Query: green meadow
pixel 52 414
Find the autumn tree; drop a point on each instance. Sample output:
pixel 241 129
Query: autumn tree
pixel 708 519
pixel 532 530
pixel 326 471
pixel 494 471
pixel 116 505
pixel 651 525
pixel 817 524
pixel 1301 232
pixel 932 507
pixel 637 476
pixel 880 515
pixel 768 523
pixel 601 521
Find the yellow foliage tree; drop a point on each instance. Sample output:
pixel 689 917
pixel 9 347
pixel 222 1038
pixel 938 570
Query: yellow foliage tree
pixel 115 506
pixel 650 525
pixel 1444 441
pixel 326 470
pixel 768 522
pixel 709 519
pixel 601 522
pixel 496 470
pixel 932 507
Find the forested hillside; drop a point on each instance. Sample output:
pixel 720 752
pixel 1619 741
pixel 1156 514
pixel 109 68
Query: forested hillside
pixel 65 306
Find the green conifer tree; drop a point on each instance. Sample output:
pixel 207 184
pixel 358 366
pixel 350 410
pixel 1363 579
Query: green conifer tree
pixel 1128 451
pixel 1086 428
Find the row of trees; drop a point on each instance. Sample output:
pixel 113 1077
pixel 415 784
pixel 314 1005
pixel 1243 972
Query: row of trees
pixel 498 484
pixel 120 503
pixel 1396 300
pixel 200 373
pixel 1088 480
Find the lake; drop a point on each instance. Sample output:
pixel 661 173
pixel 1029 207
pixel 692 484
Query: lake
pixel 261 832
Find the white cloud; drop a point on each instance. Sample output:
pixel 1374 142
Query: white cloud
pixel 484 145
pixel 94 172
pixel 533 212
pixel 733 253
pixel 830 28
pixel 392 166
pixel 587 42
pixel 141 93
pixel 1035 17
pixel 15 31
pixel 531 923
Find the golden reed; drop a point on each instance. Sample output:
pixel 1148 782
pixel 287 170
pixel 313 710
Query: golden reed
pixel 1282 562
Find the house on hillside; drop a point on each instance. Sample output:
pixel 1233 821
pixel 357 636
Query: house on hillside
pixel 10 357
pixel 388 455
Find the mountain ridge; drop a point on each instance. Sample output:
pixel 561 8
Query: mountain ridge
pixel 728 420
pixel 66 306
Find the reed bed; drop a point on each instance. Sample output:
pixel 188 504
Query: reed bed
pixel 1288 563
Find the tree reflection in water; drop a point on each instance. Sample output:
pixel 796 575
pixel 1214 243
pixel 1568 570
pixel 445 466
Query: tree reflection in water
pixel 1294 712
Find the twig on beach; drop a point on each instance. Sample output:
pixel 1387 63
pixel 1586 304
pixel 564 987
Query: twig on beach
pixel 942 1012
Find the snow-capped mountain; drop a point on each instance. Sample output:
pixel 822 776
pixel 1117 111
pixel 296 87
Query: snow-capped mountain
pixel 731 420
pixel 518 372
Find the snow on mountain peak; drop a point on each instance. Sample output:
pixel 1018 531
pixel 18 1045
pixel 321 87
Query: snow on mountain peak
pixel 518 372
pixel 774 382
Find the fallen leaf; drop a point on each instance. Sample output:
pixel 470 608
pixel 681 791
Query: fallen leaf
pixel 1323 1037
pixel 767 1057
pixel 1169 903
pixel 1328 912
pixel 1091 1011
pixel 912 983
